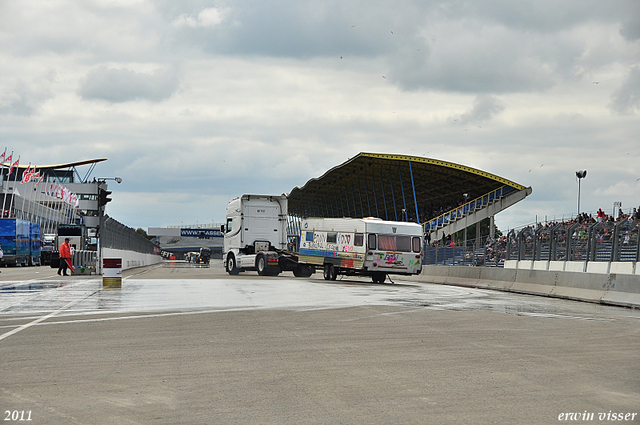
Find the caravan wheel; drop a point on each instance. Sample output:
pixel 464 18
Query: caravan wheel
pixel 330 272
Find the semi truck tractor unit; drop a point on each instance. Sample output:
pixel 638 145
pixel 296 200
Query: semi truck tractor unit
pixel 256 238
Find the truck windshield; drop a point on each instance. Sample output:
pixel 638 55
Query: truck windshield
pixel 394 243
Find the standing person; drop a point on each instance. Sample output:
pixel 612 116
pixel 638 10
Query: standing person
pixel 65 254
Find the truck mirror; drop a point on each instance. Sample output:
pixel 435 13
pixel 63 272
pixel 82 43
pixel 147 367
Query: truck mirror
pixel 222 228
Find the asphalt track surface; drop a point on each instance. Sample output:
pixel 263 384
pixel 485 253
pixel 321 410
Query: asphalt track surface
pixel 184 345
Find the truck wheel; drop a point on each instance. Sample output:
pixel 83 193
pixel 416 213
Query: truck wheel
pixel 232 268
pixel 379 277
pixel 261 265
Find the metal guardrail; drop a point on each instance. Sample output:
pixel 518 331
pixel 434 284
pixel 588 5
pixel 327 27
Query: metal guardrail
pixel 604 241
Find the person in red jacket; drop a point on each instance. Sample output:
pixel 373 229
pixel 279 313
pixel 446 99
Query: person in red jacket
pixel 65 254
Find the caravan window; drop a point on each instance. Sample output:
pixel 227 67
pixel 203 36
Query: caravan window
pixel 416 244
pixel 358 239
pixel 332 237
pixel 394 243
pixel 371 241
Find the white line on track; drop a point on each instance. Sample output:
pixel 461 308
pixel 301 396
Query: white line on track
pixel 48 316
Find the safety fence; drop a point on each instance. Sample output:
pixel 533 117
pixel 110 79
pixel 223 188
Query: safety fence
pixel 489 255
pixel 604 241
pixel 584 242
pixel 116 235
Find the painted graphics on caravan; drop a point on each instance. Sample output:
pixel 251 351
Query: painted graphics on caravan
pixel 368 246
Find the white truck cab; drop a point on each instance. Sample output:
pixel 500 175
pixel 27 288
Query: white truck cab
pixel 255 230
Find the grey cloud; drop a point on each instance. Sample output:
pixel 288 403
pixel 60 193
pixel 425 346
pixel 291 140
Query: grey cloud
pixel 24 99
pixel 496 46
pixel 630 29
pixel 123 85
pixel 626 100
pixel 484 108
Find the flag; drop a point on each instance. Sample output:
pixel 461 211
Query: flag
pixel 9 158
pixel 68 261
pixel 3 155
pixel 15 164
pixel 30 174
pixel 26 174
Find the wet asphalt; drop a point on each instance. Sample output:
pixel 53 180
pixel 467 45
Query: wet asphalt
pixel 184 344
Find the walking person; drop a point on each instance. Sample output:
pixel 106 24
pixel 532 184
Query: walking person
pixel 65 257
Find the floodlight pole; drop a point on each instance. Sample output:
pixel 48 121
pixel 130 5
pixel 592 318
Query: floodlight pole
pixel 580 175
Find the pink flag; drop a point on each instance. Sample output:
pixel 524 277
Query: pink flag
pixel 15 164
pixel 26 174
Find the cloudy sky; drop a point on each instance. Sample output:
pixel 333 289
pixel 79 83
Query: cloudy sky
pixel 195 102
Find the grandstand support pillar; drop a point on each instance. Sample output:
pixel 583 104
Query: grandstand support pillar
pixel 384 198
pixel 366 192
pixel 393 195
pixel 492 226
pixel 404 199
pixel 353 196
pixel 375 197
pixel 361 203
pixel 346 196
pixel 415 201
pixel 478 235
pixel 465 233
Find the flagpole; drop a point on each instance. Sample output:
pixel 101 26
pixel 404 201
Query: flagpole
pixel 3 156
pixel 25 181
pixel 13 195
pixel 5 190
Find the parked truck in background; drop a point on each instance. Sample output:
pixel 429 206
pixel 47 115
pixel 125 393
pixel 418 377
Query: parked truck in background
pixel 15 241
pixel 48 246
pixel 255 238
pixel 35 245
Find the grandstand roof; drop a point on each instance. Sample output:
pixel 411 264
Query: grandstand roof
pixel 58 166
pixel 381 185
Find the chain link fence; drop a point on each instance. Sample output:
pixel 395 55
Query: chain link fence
pixel 116 235
pixel 601 241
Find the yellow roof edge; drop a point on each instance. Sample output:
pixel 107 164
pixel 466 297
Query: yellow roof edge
pixel 444 164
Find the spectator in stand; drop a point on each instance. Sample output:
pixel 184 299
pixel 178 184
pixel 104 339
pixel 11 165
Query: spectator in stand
pixel 601 215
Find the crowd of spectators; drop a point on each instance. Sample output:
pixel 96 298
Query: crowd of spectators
pixel 495 250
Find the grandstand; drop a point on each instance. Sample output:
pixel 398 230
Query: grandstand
pixel 442 196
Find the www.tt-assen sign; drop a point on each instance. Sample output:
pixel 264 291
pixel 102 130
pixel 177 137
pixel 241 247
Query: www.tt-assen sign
pixel 197 233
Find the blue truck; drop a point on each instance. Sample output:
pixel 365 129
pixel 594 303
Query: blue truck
pixel 20 241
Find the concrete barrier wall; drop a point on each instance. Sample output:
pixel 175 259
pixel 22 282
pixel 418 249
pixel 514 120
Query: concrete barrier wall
pixel 131 259
pixel 606 288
